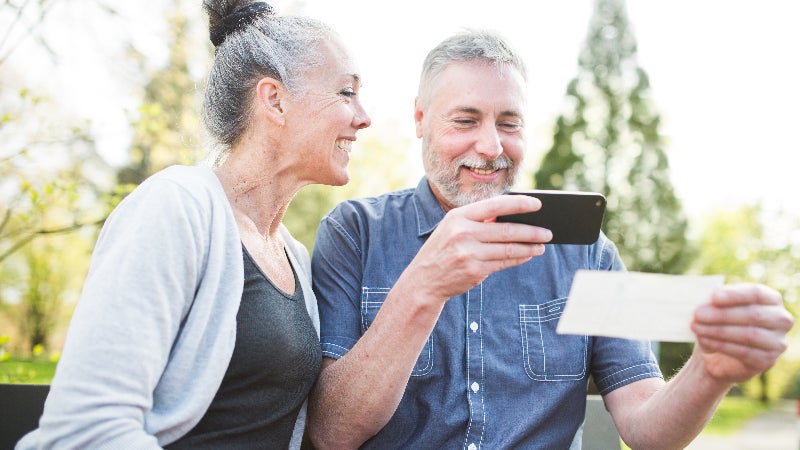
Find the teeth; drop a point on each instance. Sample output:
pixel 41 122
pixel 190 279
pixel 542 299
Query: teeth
pixel 482 171
pixel 345 145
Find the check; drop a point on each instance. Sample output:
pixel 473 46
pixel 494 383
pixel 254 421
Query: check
pixel 635 305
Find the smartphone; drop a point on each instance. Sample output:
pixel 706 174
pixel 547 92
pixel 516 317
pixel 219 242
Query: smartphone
pixel 574 217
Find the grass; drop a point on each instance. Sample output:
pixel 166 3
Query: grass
pixel 27 371
pixel 732 413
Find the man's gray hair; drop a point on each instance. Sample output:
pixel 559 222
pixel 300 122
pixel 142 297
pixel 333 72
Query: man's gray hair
pixel 468 45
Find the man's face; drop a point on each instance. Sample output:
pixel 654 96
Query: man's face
pixel 472 131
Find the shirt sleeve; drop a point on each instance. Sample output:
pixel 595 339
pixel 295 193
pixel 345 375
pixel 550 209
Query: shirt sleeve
pixel 336 266
pixel 617 362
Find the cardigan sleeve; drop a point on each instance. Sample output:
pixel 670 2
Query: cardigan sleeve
pixel 146 267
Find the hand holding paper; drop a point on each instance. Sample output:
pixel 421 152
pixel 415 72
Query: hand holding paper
pixel 635 305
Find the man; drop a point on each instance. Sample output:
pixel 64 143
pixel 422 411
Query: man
pixel 438 323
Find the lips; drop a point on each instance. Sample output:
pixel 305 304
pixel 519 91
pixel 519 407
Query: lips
pixel 344 144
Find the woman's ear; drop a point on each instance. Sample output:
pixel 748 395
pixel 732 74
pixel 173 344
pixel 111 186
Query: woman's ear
pixel 270 93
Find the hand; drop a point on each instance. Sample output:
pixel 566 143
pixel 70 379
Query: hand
pixel 469 245
pixel 742 332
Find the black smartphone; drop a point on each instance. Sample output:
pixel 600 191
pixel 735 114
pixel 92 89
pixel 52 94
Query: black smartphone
pixel 574 217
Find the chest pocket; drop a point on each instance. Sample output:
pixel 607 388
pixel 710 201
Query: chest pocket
pixel 371 301
pixel 547 355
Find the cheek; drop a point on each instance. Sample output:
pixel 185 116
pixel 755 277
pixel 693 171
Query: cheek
pixel 514 148
pixel 449 144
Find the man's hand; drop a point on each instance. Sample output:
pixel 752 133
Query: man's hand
pixel 468 245
pixel 742 332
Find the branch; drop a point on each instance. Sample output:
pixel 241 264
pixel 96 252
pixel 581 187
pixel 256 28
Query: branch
pixel 43 232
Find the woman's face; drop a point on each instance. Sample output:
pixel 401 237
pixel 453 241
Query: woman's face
pixel 324 120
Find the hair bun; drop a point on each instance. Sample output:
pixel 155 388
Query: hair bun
pixel 238 19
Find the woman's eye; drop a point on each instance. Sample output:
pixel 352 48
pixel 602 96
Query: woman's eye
pixel 347 92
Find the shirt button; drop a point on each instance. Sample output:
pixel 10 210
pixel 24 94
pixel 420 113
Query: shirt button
pixel 472 447
pixel 475 387
pixel 473 326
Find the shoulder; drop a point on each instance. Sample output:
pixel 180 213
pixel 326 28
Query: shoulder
pixel 175 190
pixel 196 181
pixel 604 254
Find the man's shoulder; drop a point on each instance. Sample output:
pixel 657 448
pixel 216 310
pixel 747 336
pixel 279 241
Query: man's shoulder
pixel 388 200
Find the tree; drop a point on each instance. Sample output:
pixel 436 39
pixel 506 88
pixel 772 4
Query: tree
pixel 607 139
pixel 44 152
pixel 50 274
pixel 167 127
pixel 53 182
pixel 45 156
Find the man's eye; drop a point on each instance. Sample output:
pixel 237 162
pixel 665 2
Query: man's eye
pixel 347 92
pixel 464 121
pixel 511 126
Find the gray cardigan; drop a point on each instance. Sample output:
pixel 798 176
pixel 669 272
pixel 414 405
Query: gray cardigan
pixel 154 329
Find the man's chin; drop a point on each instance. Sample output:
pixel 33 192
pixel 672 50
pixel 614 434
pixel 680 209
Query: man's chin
pixel 476 194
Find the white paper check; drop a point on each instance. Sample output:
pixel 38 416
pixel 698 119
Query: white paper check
pixel 635 305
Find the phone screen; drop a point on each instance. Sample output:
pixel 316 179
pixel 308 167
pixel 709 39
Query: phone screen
pixel 574 217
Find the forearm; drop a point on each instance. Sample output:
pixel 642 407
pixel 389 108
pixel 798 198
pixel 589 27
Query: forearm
pixel 356 395
pixel 674 414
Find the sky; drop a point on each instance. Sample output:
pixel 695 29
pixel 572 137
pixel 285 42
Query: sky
pixel 725 77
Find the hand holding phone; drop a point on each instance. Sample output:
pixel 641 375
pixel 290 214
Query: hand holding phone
pixel 574 217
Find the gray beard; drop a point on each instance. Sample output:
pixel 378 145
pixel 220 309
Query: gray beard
pixel 447 182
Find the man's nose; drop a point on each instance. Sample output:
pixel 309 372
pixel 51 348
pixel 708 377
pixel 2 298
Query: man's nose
pixel 489 142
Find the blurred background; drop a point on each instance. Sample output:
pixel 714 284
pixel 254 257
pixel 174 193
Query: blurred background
pixel 684 114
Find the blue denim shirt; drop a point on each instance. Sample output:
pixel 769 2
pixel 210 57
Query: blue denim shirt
pixel 493 373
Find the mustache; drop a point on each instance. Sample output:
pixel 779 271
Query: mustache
pixel 502 162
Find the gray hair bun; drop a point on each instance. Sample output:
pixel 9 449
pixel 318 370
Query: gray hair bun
pixel 237 20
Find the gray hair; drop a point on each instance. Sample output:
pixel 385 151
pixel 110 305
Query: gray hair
pixel 263 45
pixel 469 45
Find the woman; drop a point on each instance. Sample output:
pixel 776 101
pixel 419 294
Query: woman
pixel 197 326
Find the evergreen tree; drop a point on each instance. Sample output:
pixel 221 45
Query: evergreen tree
pixel 607 139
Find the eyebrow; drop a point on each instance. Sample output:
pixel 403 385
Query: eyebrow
pixel 356 77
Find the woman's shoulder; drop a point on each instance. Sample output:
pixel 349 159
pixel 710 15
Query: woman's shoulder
pixel 190 177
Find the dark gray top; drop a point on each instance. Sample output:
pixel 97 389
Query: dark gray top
pixel 275 362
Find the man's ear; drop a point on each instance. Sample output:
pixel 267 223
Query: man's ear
pixel 419 115
pixel 270 93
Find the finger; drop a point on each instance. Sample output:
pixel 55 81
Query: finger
pixel 512 252
pixel 765 316
pixel 746 294
pixel 512 232
pixel 500 205
pixel 751 337
pixel 761 359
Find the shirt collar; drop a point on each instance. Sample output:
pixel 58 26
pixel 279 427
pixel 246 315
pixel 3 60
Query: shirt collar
pixel 429 210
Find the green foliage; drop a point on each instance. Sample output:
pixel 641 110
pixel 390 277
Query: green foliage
pixel 732 413
pixel 749 245
pixel 53 183
pixel 166 126
pixel 607 140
